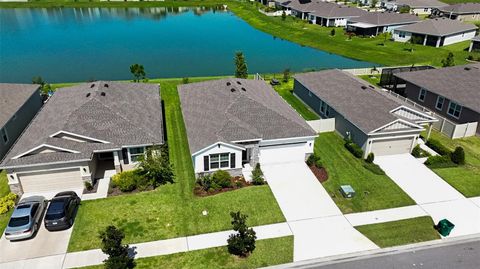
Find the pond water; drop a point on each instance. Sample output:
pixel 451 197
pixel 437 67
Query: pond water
pixel 80 44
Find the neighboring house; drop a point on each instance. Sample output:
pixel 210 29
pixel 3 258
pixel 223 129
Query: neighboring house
pixel 372 119
pixel 82 131
pixel 475 45
pixel 452 92
pixel 374 23
pixel 231 122
pixel 436 32
pixel 18 105
pixel 461 12
pixel 416 6
pixel 334 15
pixel 298 8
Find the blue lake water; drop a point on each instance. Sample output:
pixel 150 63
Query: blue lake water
pixel 67 45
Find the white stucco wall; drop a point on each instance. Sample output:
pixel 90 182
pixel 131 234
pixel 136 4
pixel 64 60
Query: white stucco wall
pixel 215 149
pixel 459 38
pixel 396 36
pixel 308 142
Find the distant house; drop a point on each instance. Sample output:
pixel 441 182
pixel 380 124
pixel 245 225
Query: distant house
pixel 452 92
pixel 81 132
pixel 19 103
pixel 374 120
pixel 298 8
pixel 475 44
pixel 374 23
pixel 461 12
pixel 231 123
pixel 333 15
pixel 436 32
pixel 416 6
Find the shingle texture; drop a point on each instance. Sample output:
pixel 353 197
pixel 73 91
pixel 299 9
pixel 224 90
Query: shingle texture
pixel 458 83
pixel 12 98
pixel 123 114
pixel 438 27
pixel 385 18
pixel 229 110
pixel 464 8
pixel 332 10
pixel 421 3
pixel 360 103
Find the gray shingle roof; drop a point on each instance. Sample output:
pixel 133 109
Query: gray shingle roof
pixel 333 10
pixel 420 3
pixel 438 27
pixel 464 8
pixel 12 97
pixel 213 113
pixel 458 83
pixel 367 108
pixel 385 18
pixel 128 114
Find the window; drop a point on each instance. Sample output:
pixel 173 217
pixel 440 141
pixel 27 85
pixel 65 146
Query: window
pixel 440 101
pixel 422 94
pixel 221 160
pixel 401 34
pixel 327 112
pixel 309 93
pixel 323 108
pixel 136 153
pixel 4 135
pixel 454 110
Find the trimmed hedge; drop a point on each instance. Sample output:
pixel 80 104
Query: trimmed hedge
pixel 374 168
pixel 438 147
pixel 370 157
pixel 127 181
pixel 355 149
pixel 222 178
pixel 439 161
pixel 458 156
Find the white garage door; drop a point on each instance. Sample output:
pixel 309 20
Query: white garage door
pixel 51 181
pixel 392 146
pixel 283 153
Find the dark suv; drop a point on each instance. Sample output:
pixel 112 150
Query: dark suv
pixel 61 211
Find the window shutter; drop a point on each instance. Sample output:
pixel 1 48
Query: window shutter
pixel 232 160
pixel 125 156
pixel 206 163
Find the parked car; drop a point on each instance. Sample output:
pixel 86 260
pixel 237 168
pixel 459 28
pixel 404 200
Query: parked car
pixel 61 211
pixel 26 218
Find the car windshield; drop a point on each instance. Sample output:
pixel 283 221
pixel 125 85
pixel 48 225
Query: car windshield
pixel 19 221
pixel 55 210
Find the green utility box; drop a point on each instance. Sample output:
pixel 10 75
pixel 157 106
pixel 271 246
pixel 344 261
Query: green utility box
pixel 347 191
pixel 444 227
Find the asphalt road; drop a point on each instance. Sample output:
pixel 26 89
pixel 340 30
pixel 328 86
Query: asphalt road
pixel 452 256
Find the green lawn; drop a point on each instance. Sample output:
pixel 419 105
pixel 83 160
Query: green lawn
pixel 466 179
pixel 400 232
pixel 4 189
pixel 372 79
pixel 171 210
pixel 268 252
pixel 372 191
pixel 286 91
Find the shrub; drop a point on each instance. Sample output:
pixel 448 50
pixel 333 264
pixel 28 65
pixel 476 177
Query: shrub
pixel 311 160
pixel 116 251
pixel 370 157
pixel 354 149
pixel 156 166
pixel 7 202
pixel 207 183
pixel 319 163
pixel 222 178
pixel 241 243
pixel 439 161
pixel 257 175
pixel 374 168
pixel 332 32
pixel 126 181
pixel 437 146
pixel 458 156
pixel 88 185
pixel 185 80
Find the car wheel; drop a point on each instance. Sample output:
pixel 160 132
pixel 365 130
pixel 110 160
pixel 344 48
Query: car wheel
pixel 35 228
pixel 71 222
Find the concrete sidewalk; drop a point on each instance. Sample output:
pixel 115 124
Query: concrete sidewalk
pixel 385 215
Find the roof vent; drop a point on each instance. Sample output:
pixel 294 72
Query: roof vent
pixel 239 83
pixel 364 87
pixel 102 93
pixel 228 83
pixel 467 68
pixel 93 85
pixel 88 94
pixel 233 90
pixel 243 89
pixel 371 87
pixel 105 85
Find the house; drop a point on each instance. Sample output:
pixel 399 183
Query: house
pixel 81 132
pixel 298 8
pixel 18 105
pixel 436 32
pixel 452 92
pixel 333 15
pixel 232 122
pixel 461 12
pixel 475 44
pixel 374 120
pixel 416 6
pixel 374 23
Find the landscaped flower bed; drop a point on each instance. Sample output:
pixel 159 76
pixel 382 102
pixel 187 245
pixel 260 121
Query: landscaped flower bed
pixel 218 182
pixel 317 168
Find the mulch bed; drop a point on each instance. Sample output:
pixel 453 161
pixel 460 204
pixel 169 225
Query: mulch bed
pixel 115 191
pixel 94 189
pixel 320 173
pixel 237 183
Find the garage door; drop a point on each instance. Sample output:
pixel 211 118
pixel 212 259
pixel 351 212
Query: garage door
pixel 283 153
pixel 392 146
pixel 50 181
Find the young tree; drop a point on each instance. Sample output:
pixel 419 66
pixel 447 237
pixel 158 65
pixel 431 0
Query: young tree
pixel 286 75
pixel 284 15
pixel 332 33
pixel 413 40
pixel 118 257
pixel 138 72
pixel 155 166
pixel 404 9
pixel 374 3
pixel 185 80
pixel 45 88
pixel 241 243
pixel 449 61
pixel 241 70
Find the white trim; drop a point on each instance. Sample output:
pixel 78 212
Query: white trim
pixel 106 150
pixel 140 145
pixel 436 103
pixel 456 104
pixel 393 122
pixel 432 119
pixel 215 144
pixel 219 161
pixel 80 136
pixel 420 93
pixel 289 138
pixel 42 164
pixel 247 140
pixel 46 146
pixel 130 155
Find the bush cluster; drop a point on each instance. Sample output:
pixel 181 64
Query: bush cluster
pixel 437 146
pixel 257 175
pixel 370 158
pixel 355 149
pixel 458 156
pixel 314 160
pixel 216 181
pixel 418 152
pixel 439 161
pixel 7 202
pixel 446 158
pixel 374 168
pixel 129 180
